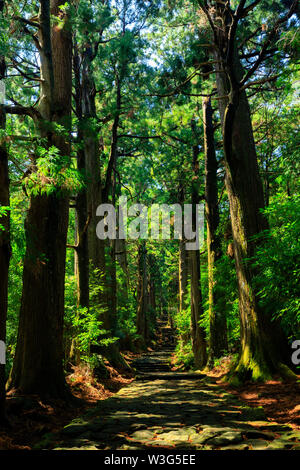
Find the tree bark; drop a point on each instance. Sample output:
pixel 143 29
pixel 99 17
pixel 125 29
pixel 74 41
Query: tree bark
pixel 183 274
pixel 141 317
pixel 92 162
pixel 152 295
pixel 217 318
pixel 81 206
pixel 183 262
pixel 198 333
pixel 264 348
pixel 38 364
pixel 82 217
pixel 5 248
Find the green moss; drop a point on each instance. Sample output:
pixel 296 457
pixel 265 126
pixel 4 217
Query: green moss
pixel 286 373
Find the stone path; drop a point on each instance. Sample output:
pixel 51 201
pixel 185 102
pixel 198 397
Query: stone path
pixel 164 410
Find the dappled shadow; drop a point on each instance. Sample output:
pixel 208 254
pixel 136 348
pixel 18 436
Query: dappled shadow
pixel 144 414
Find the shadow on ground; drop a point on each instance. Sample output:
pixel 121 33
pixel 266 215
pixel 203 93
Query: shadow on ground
pixel 183 414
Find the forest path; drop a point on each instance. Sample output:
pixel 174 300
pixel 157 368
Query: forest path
pixel 174 414
pixel 165 409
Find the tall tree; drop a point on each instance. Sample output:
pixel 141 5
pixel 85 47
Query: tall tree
pixel 263 347
pixel 183 262
pixel 198 333
pixel 142 294
pixel 38 363
pixel 5 249
pixel 82 214
pixel 217 318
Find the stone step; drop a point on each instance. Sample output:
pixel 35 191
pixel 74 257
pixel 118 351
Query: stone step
pixel 170 376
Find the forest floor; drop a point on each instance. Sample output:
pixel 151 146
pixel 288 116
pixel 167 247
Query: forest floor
pixel 161 408
pixel 182 410
pixel 30 418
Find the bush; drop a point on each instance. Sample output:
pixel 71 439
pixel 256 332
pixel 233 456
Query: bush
pixel 278 263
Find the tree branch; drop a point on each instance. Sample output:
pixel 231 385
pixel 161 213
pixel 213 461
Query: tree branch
pixel 232 30
pixel 22 111
pixel 260 82
pixel 251 7
pixel 268 41
pixel 25 21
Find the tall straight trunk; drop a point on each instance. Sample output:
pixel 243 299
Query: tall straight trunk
pixel 141 317
pixel 81 250
pixel 81 207
pixel 183 274
pixel 92 162
pixel 5 249
pixel 113 351
pixel 91 155
pixel 183 271
pixel 82 218
pixel 121 257
pixel 109 194
pixel 152 291
pixel 264 349
pixel 98 192
pixel 38 364
pixel 198 333
pixel 183 262
pixel 217 318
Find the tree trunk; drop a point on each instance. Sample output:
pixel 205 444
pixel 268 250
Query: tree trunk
pixel 5 249
pixel 82 218
pixel 141 317
pixel 217 318
pixel 92 162
pixel 183 262
pixel 198 333
pixel 81 206
pixel 38 364
pixel 263 346
pixel 96 195
pixel 183 272
pixel 152 294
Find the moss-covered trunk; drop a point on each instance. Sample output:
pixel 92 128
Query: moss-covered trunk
pixel 264 348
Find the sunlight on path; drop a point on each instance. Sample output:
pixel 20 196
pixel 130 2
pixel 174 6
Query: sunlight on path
pixel 173 412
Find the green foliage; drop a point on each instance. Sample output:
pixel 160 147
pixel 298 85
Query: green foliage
pixel 151 55
pixel 183 322
pixel 127 307
pixel 17 209
pixel 3 213
pixel 184 355
pixel 54 173
pixel 278 259
pixel 84 325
